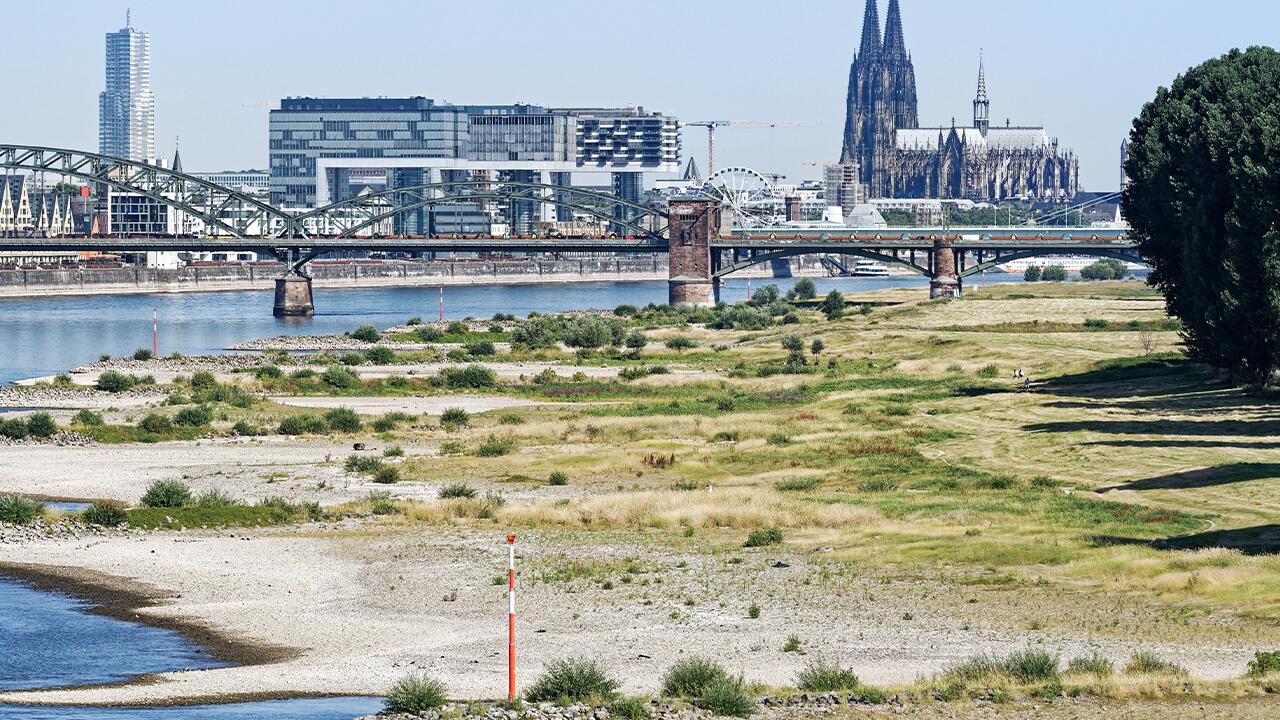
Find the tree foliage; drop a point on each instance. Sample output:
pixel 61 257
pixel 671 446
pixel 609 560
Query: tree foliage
pixel 1204 204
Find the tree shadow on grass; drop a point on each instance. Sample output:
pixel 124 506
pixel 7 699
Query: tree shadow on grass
pixel 1203 428
pixel 1202 478
pixel 1257 540
pixel 1133 377
pixel 1186 444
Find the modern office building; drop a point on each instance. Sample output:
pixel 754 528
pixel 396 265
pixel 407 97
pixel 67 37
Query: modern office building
pixel 253 181
pixel 126 108
pixel 328 149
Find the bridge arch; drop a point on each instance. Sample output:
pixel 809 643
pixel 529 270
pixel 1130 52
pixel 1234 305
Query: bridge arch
pixel 787 253
pixel 1000 259
pixel 424 196
pixel 173 189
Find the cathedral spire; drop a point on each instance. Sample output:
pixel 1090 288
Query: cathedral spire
pixel 895 45
pixel 982 104
pixel 870 32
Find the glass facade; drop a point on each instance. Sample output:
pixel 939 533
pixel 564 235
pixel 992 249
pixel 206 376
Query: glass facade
pixel 126 107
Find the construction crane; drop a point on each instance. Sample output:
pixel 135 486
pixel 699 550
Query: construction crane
pixel 711 126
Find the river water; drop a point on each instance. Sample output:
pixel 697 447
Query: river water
pixel 49 335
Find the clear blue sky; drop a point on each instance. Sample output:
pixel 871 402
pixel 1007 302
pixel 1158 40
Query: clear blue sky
pixel 1082 67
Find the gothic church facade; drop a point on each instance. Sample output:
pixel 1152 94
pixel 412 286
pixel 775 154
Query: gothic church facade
pixel 899 159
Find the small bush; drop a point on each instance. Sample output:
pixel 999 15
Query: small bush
pixel 457 490
pixel 268 372
pixel 510 420
pixel 430 334
pixel 778 439
pixel 797 484
pixel 19 510
pixel 625 310
pixel 361 464
pixel 988 371
pixel 105 513
pixel 457 327
pixel 215 499
pixel 143 354
pixel 352 358
pixel 88 418
pixel 1094 665
pixel 793 644
pixel 387 475
pixel 156 423
pixel 496 446
pixel 455 417
pixel 414 694
pixel 244 429
pixel 690 678
pixel 167 494
pixel 630 708
pixel 380 355
pixel 302 425
pixel 680 344
pixel 753 611
pixel 470 377
pixel 340 378
pixel 194 415
pixel 393 451
pixel 1148 663
pixel 1029 666
pixel 821 676
pixel 480 348
pixel 41 425
pixel 728 697
pixel 571 681
pixel 366 333
pixel 203 381
pixel 114 382
pixel 558 478
pixel 343 420
pixel 1264 663
pixel 764 536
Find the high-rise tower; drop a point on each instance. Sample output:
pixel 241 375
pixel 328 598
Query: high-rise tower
pixel 126 108
pixel 881 98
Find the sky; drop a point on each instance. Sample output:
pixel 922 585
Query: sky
pixel 1083 68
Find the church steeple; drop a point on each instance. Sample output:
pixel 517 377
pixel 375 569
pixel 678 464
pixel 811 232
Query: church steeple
pixel 870 32
pixel 895 44
pixel 981 104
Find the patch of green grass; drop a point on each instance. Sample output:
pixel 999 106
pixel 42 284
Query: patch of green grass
pixel 19 510
pixel 495 446
pixel 457 490
pixel 690 677
pixel 797 484
pixel 105 513
pixel 196 517
pixel 821 676
pixel 571 681
pixel 1095 665
pixel 167 494
pixel 1149 663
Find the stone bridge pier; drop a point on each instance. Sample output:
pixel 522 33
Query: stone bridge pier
pixel 691 276
pixel 945 281
pixel 293 291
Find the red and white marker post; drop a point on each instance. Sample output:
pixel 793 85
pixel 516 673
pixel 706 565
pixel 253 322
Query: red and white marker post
pixel 155 333
pixel 441 303
pixel 511 617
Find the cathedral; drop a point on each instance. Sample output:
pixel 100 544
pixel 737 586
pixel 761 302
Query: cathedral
pixel 897 158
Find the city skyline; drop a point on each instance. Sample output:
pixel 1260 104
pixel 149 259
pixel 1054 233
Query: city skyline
pixel 214 86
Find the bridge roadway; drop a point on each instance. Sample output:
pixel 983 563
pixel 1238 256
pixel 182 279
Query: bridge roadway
pixel 824 240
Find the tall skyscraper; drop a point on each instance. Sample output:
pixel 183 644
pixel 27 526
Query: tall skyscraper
pixel 126 108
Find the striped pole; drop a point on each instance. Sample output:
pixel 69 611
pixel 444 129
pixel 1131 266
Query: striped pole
pixel 511 617
pixel 441 303
pixel 155 333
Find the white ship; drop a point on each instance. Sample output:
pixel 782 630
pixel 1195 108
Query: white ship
pixel 869 268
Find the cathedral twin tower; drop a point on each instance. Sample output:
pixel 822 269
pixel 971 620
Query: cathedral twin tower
pixel 898 158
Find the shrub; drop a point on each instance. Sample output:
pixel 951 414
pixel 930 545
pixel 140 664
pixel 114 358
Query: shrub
pixel 393 451
pixel 455 417
pixel 797 484
pixel 387 475
pixel 1148 663
pixel 817 347
pixel 1029 666
pixel 114 382
pixel 167 494
pixel 779 439
pixel 380 355
pixel 303 374
pixel 19 510
pixel 14 429
pixel 215 499
pixel 571 681
pixel 833 305
pixel 361 464
pixel 203 381
pixel 988 371
pixel 1264 663
pixel 728 697
pixel 302 425
pixel 268 372
pixel 430 334
pixel 764 536
pixel 625 310
pixel 538 333
pixel 680 344
pixel 1093 665
pixel 106 513
pixel 795 349
pixel 143 354
pixel 1031 274
pixel 343 420
pixel 366 333
pixel 457 327
pixel 496 446
pixel 753 611
pixel 88 418
pixel 635 341
pixel 352 358
pixel 558 478
pixel 177 399
pixel 414 694
pixel 457 490
pixel 819 676
pixel 690 677
pixel 1054 273
pixel 244 429
pixel 470 377
pixel 194 415
pixel 340 378
pixel 792 644
pixel 510 420
pixel 632 373
pixel 156 423
pixel 41 425
pixel 806 289
pixel 415 320
pixel 480 348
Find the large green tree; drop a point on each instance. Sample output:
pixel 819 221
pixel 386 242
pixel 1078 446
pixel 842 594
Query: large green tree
pixel 1204 204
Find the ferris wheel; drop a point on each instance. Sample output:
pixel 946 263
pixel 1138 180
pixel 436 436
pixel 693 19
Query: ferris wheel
pixel 744 192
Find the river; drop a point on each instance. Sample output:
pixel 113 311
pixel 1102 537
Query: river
pixel 50 640
pixel 49 335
